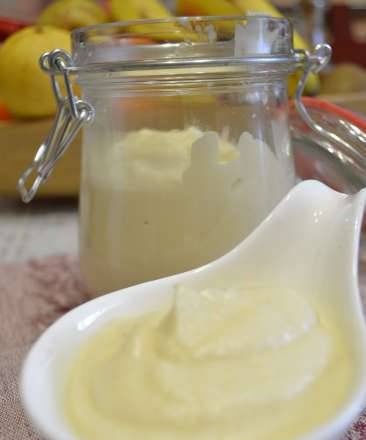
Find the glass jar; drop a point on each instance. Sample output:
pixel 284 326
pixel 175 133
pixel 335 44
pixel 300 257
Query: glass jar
pixel 188 146
pixel 180 163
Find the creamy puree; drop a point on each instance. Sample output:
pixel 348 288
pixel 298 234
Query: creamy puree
pixel 155 203
pixel 231 364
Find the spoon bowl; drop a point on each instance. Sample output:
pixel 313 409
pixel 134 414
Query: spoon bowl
pixel 308 243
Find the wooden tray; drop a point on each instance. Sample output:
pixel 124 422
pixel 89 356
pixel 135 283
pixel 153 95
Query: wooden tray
pixel 19 141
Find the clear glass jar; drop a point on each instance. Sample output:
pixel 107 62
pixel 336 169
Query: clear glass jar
pixel 189 146
pixel 180 163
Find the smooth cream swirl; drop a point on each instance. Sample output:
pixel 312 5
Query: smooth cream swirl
pixel 210 360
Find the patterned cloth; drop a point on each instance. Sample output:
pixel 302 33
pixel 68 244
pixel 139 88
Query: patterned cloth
pixel 32 296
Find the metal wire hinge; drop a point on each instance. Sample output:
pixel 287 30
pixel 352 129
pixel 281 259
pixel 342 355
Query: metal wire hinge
pixel 72 112
pixel 313 63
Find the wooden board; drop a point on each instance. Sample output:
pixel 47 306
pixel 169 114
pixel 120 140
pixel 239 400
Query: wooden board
pixel 19 141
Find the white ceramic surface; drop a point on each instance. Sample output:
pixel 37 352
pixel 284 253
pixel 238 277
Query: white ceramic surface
pixel 310 241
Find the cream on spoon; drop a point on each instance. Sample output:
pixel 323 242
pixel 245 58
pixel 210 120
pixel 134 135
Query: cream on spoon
pixel 308 245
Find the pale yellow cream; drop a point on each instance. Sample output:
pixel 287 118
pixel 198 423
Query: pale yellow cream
pixel 155 203
pixel 220 364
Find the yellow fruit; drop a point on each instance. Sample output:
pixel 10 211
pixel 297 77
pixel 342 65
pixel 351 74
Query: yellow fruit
pixel 72 14
pixel 24 88
pixel 134 9
pixel 124 10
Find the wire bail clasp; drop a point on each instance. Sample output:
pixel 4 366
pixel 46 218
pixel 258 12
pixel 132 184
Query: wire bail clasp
pixel 72 112
pixel 314 62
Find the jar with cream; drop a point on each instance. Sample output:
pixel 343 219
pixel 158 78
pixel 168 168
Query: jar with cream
pixel 188 149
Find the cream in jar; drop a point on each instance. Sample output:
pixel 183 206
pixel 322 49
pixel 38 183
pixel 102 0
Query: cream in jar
pixel 234 363
pixel 162 202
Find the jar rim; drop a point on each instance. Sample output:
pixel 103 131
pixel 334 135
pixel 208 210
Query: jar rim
pixel 258 17
pixel 183 42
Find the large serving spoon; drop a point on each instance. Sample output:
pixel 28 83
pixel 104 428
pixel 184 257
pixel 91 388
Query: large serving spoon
pixel 309 243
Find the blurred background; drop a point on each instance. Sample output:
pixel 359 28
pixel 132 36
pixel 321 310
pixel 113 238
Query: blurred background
pixel 340 22
pixel 26 112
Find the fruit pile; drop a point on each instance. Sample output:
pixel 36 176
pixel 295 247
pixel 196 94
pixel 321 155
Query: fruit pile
pixel 25 90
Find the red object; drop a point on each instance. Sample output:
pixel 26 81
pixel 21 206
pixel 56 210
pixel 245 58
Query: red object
pixel 345 47
pixel 312 165
pixel 8 26
pixel 4 113
pixel 328 107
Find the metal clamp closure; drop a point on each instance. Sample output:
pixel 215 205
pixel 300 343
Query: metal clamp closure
pixel 313 63
pixel 71 114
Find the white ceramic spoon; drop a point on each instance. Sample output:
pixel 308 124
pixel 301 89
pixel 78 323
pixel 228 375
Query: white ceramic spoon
pixel 308 243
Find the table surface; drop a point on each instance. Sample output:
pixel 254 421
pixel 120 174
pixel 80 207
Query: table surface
pixel 45 227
